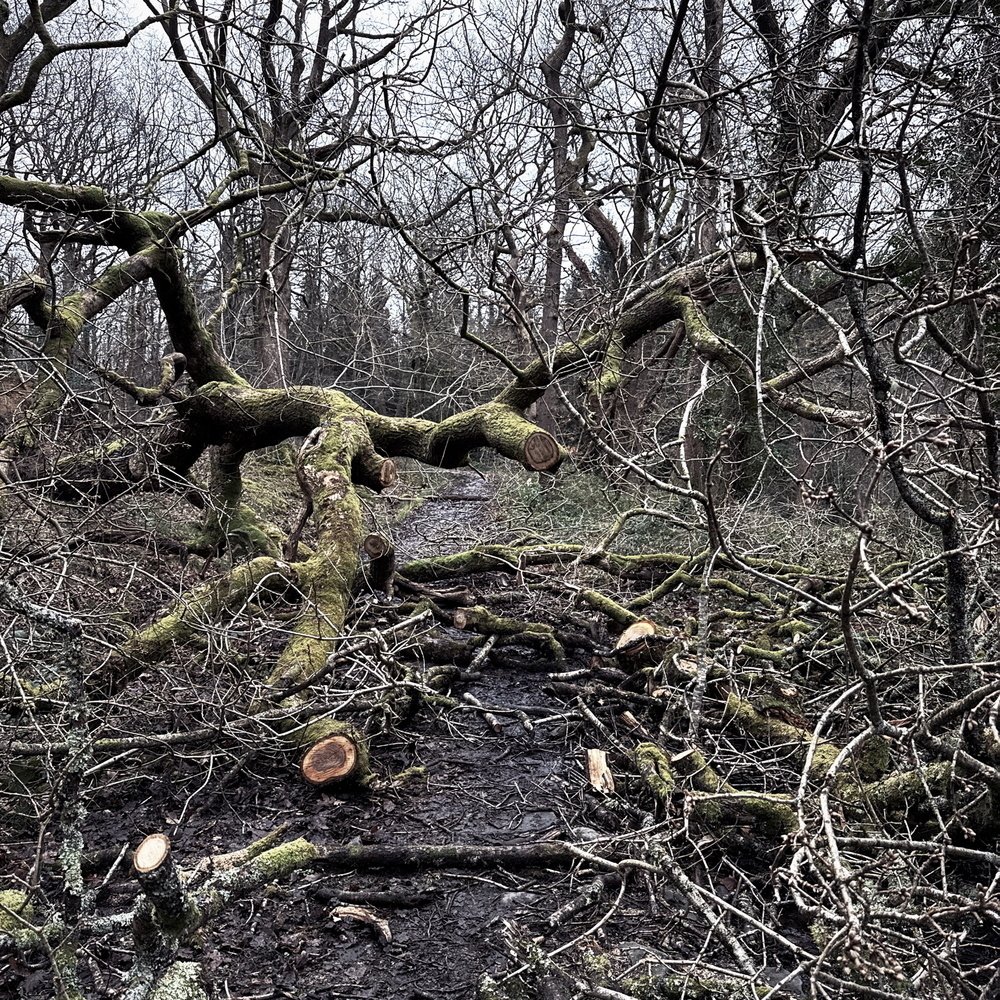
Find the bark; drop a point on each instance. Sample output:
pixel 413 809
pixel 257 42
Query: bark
pixel 429 856
pixel 181 981
pixel 719 800
pixel 160 881
pixel 479 619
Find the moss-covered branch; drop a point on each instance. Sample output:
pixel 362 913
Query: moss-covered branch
pixel 202 608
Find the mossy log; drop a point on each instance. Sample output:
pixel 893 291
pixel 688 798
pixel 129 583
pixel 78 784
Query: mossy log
pixel 157 933
pixel 490 558
pixel 654 768
pixel 247 418
pixel 327 577
pixel 723 801
pixel 772 731
pixel 607 607
pixel 899 792
pixel 430 856
pixel 479 619
pixel 860 787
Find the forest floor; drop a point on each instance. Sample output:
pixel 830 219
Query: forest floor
pixel 482 784
pixel 445 775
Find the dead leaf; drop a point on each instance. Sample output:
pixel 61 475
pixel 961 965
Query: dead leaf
pixel 376 923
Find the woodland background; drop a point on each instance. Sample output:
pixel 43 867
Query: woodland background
pixel 574 423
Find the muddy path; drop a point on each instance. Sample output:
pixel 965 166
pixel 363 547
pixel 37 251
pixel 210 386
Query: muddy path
pixel 516 779
pixel 461 513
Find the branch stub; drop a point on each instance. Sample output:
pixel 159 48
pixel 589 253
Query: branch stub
pixel 541 452
pixel 151 853
pixel 330 760
pixel 376 546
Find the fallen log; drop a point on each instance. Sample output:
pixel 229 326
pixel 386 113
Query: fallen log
pixel 475 856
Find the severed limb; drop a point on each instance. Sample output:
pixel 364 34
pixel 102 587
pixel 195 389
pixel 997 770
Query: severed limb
pixel 381 567
pixel 479 619
pixel 199 609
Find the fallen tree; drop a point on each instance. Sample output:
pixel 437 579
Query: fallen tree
pixel 224 362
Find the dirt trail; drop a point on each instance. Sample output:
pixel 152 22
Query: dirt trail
pixel 458 517
pixel 481 787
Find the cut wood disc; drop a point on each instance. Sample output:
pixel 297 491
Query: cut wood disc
pixel 635 633
pixel 388 473
pixel 331 759
pixel 151 853
pixel 541 451
pixel 376 546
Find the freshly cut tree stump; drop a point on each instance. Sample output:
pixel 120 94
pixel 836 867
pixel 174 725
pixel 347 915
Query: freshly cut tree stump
pixel 641 643
pixel 330 760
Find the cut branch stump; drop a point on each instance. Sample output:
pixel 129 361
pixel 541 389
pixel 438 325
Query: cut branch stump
pixel 330 760
pixel 161 882
pixel 541 451
pixel 381 568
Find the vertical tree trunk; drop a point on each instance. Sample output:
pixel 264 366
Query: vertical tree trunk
pixel 274 296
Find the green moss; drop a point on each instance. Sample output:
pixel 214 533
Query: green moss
pixel 704 987
pixel 898 791
pixel 408 776
pixel 773 732
pixel 200 608
pixel 873 759
pixel 774 813
pixel 653 766
pixel 14 904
